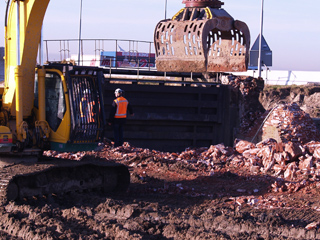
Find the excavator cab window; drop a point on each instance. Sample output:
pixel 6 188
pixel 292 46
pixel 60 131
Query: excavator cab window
pixel 55 100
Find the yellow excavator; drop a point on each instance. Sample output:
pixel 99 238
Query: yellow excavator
pixel 60 106
pixel 56 107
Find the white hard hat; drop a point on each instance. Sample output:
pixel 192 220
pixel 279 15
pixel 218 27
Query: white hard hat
pixel 118 90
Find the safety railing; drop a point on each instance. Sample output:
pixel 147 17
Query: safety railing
pixel 108 53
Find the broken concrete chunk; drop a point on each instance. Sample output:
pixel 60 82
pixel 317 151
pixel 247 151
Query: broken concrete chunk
pixel 243 145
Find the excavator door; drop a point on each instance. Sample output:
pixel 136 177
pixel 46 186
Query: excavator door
pixel 202 37
pixel 85 94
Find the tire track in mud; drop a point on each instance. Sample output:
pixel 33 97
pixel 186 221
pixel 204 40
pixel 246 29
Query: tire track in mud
pixel 146 216
pixel 237 227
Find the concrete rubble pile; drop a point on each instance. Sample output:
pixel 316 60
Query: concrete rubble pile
pixel 294 165
pixel 292 124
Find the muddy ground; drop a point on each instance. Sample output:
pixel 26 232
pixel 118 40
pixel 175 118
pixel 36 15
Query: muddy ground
pixel 170 198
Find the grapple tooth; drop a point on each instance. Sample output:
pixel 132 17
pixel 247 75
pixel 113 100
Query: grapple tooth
pixel 202 40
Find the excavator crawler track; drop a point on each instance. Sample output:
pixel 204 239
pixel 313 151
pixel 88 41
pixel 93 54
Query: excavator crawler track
pixel 26 180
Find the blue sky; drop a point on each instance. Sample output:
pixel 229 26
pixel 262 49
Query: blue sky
pixel 291 27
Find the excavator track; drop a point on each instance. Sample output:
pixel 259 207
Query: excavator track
pixel 27 180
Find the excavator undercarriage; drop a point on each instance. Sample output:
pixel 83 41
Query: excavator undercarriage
pixel 41 179
pixel 202 37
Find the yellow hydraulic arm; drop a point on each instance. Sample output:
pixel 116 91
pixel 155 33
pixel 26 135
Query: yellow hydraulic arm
pixel 24 19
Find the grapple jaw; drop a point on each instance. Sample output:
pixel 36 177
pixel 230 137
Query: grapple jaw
pixel 202 39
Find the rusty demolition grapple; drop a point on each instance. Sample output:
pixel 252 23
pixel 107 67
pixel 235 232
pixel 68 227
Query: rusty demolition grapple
pixel 202 37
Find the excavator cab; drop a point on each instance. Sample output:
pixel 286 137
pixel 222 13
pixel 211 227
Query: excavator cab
pixel 202 37
pixel 73 97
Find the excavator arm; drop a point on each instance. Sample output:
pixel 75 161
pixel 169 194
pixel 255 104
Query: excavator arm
pixel 22 37
pixel 23 25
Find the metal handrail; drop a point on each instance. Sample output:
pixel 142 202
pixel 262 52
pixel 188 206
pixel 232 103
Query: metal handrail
pixel 70 46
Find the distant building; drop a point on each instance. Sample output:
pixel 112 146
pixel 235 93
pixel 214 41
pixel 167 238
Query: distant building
pixel 118 59
pixel 1 63
pixel 127 59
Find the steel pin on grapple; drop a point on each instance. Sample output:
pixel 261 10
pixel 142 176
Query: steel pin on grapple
pixel 202 37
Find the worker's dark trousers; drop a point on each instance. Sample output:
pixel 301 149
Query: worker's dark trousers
pixel 118 124
pixel 118 134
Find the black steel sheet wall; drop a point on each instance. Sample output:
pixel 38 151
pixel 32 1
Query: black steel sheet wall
pixel 172 118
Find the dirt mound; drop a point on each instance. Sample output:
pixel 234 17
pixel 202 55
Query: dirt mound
pixel 307 97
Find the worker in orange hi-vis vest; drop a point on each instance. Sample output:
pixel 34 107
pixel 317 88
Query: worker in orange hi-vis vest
pixel 86 108
pixel 118 116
